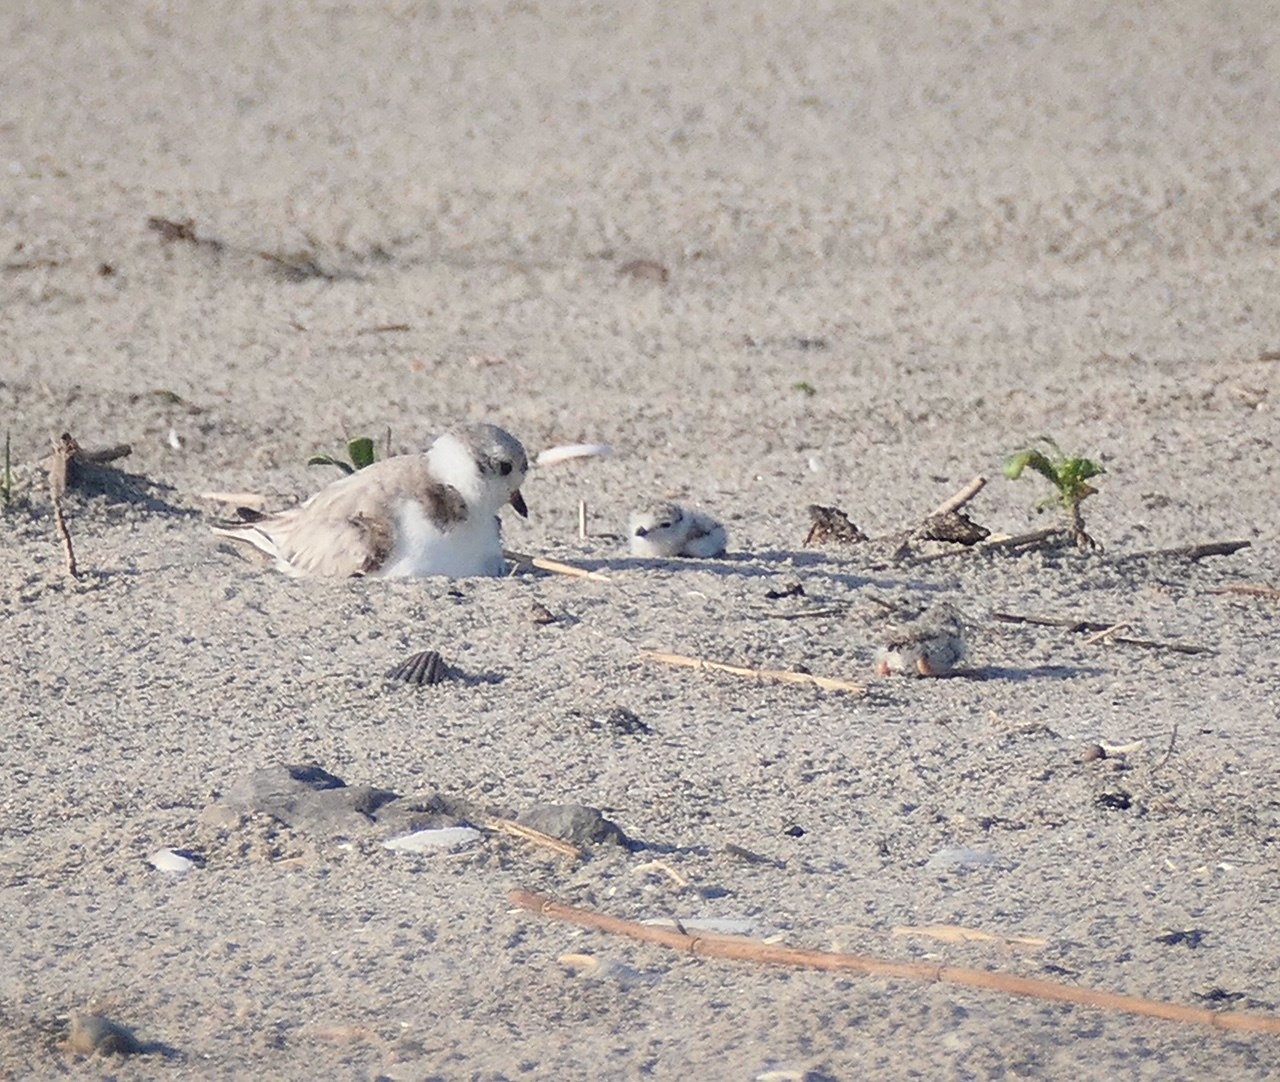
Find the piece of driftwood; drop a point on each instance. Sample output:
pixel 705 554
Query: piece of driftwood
pixel 554 566
pixel 1007 983
pixel 779 676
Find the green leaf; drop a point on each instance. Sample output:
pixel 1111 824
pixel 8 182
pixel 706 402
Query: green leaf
pixel 806 389
pixel 329 460
pixel 362 452
pixel 1016 463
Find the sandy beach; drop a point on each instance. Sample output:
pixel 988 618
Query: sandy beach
pixel 773 255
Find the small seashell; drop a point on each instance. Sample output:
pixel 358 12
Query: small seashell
pixel 432 841
pixel 425 667
pixel 569 451
pixel 177 861
pixel 961 858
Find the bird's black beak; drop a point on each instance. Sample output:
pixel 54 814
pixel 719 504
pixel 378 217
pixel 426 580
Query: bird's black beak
pixel 641 532
pixel 517 501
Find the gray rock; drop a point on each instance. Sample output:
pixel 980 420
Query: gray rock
pixel 92 1033
pixel 307 798
pixel 574 823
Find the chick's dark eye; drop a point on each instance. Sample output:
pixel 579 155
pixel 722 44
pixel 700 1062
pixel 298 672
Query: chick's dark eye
pixel 504 468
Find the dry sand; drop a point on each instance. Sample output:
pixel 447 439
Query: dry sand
pixel 958 225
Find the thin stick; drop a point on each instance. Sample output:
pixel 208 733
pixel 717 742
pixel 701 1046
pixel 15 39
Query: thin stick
pixel 876 967
pixel 954 933
pixel 1190 552
pixel 1102 629
pixel 554 566
pixel 1155 644
pixel 1050 621
pixel 1106 632
pixel 582 520
pixel 529 834
pixel 1173 739
pixel 1249 589
pixel 803 614
pixel 1018 541
pixel 64 450
pixel 781 676
pixel 662 866
pixel 960 498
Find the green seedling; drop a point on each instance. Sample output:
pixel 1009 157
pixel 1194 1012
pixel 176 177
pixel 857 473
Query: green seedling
pixel 360 451
pixel 1069 475
pixel 805 388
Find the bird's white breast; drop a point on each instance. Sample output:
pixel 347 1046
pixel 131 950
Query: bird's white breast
pixel 422 548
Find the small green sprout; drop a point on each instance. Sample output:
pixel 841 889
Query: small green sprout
pixel 1069 475
pixel 360 451
pixel 805 388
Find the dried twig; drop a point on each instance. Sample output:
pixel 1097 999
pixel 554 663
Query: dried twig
pixel 1189 552
pixel 954 933
pixel 666 869
pixel 770 954
pixel 1050 621
pixel 1105 631
pixel 554 566
pixel 1249 589
pixel 529 834
pixel 1173 739
pixel 961 498
pixel 781 676
pixel 1018 541
pixel 64 451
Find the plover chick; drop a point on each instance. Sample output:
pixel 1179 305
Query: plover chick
pixel 931 645
pixel 664 530
pixel 434 513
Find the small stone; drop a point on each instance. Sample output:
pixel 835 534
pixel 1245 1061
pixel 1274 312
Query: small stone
pixel 619 720
pixel 92 1033
pixel 1091 753
pixel 644 270
pixel 573 823
pixel 540 614
pixel 307 798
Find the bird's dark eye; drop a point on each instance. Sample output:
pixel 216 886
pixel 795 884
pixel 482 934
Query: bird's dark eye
pixel 504 468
